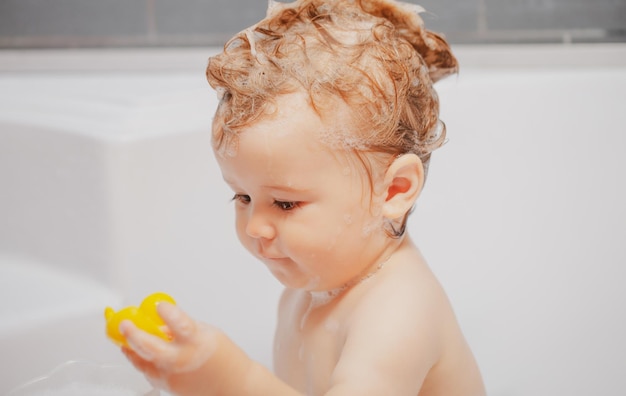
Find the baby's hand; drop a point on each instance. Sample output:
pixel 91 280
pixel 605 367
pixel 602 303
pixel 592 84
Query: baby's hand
pixel 199 360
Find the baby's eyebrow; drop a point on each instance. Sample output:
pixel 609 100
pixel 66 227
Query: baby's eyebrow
pixel 281 187
pixel 233 186
pixel 285 188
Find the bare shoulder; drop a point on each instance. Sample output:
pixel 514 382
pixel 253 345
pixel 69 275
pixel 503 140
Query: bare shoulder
pixel 406 291
pixel 403 331
pixel 394 327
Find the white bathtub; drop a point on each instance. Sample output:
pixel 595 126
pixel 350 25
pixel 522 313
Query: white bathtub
pixel 108 192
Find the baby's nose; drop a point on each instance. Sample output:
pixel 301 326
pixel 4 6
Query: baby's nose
pixel 260 227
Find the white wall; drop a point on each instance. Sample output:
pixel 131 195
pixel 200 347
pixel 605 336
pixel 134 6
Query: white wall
pixel 523 219
pixel 106 173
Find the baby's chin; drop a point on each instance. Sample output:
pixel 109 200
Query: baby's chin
pixel 290 275
pixel 286 272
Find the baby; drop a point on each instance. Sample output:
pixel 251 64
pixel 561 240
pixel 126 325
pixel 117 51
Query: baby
pixel 324 131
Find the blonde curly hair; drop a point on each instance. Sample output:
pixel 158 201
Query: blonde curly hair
pixel 374 55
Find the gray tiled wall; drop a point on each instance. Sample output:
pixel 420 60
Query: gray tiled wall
pixel 198 17
pixel 72 17
pixel 556 14
pixel 72 23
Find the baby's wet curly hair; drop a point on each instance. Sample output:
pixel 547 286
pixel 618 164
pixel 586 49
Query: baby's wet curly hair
pixel 373 55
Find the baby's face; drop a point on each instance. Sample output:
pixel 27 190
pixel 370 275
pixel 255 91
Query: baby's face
pixel 303 209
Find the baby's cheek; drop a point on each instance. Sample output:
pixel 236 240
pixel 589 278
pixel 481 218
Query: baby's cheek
pixel 336 236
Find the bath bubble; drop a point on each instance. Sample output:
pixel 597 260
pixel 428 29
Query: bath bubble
pixel 319 298
pixel 372 227
pixel 77 377
pixel 367 230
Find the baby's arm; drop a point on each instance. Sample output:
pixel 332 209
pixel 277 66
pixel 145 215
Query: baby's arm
pixel 389 349
pixel 200 360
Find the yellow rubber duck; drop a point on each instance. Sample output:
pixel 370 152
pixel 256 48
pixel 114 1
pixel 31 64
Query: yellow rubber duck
pixel 145 317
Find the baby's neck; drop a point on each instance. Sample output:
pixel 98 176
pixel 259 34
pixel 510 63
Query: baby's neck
pixel 323 297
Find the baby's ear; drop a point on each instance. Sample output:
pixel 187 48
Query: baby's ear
pixel 404 180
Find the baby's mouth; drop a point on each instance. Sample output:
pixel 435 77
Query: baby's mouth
pixel 270 258
pixel 265 256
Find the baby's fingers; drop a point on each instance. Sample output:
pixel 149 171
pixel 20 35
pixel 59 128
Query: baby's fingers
pixel 145 345
pixel 181 326
pixel 140 364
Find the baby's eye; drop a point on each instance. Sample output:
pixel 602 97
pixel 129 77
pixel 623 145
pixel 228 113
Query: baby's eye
pixel 282 205
pixel 244 199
